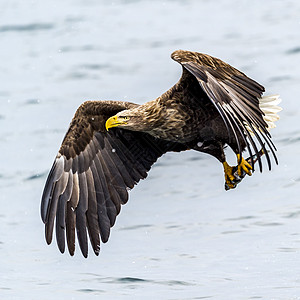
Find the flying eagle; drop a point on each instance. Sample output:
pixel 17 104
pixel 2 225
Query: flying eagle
pixel 111 145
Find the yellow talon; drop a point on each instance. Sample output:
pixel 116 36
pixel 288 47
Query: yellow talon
pixel 229 177
pixel 243 166
pixel 228 170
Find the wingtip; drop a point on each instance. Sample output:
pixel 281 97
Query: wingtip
pixel 96 249
pixel 43 215
pixel 48 239
pixel 61 247
pixel 71 251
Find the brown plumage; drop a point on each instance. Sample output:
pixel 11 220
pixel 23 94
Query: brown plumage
pixel 213 104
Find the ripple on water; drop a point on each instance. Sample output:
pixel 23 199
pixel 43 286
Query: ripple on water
pixel 280 78
pixel 96 66
pixel 136 280
pixel 36 176
pixel 175 282
pixel 268 224
pixel 32 101
pixel 26 27
pixel 159 282
pixel 292 215
pixel 241 218
pixel 136 227
pixel 294 50
pixel 292 139
pixel 232 231
pixel 130 280
pixel 79 48
pixel 90 291
pixel 286 249
pixel 195 158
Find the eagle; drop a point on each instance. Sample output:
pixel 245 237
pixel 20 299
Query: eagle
pixel 111 145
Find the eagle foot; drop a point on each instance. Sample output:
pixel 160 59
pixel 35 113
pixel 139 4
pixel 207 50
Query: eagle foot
pixel 243 167
pixel 234 175
pixel 231 176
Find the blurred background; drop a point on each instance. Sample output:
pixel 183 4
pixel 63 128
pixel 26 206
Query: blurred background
pixel 181 236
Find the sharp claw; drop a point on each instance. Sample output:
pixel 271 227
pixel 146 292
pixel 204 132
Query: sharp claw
pixel 242 170
pixel 243 166
pixel 229 186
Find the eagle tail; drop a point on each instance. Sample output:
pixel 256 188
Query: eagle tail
pixel 269 106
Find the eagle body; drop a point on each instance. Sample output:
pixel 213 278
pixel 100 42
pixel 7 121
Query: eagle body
pixel 181 121
pixel 111 145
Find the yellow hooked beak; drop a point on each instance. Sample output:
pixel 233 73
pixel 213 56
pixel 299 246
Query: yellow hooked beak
pixel 114 121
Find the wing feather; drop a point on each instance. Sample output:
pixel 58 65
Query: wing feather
pixel 58 189
pixel 61 212
pixel 54 175
pixel 91 214
pixel 71 215
pixel 101 194
pixel 81 210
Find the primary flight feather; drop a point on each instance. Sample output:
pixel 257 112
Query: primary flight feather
pixel 111 145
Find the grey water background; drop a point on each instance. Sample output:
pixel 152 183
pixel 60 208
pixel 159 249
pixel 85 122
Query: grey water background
pixel 181 236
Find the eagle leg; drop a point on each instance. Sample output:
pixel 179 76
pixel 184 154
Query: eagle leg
pixel 216 149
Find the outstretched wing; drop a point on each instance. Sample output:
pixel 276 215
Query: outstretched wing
pixel 92 173
pixel 234 95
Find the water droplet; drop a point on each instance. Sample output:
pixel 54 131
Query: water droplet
pixel 113 150
pixel 199 144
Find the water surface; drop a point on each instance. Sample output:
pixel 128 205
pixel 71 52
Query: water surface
pixel 181 236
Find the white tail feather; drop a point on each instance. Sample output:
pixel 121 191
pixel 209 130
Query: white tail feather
pixel 269 106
